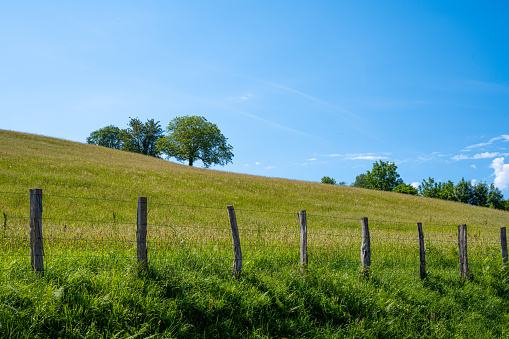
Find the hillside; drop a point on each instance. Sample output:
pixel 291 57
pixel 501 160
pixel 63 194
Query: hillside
pixel 92 286
pixel 67 168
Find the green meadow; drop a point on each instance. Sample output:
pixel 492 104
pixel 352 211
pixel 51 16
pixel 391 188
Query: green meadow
pixel 92 287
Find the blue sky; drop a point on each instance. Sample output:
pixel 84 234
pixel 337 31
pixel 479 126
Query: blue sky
pixel 301 89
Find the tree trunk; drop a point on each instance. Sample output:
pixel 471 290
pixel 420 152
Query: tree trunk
pixel 191 160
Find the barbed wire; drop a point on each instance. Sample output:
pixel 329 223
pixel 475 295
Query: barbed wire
pixel 183 205
pixel 242 210
pixel 271 212
pixel 89 221
pixel 332 217
pixel 8 217
pixel 90 198
pixel 17 193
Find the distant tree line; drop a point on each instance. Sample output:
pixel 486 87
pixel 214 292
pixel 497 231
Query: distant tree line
pixel 384 177
pixel 187 138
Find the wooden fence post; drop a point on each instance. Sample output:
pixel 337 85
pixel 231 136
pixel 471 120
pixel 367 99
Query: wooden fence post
pixel 36 239
pixel 462 244
pixel 141 232
pixel 237 253
pixel 365 248
pixel 422 251
pixel 303 240
pixel 503 241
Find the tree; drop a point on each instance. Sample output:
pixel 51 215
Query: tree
pixel 463 191
pixel 405 189
pixel 383 176
pixel 480 194
pixel 360 181
pixel 328 180
pixel 141 137
pixel 429 188
pixel 109 136
pixel 446 190
pixel 495 198
pixel 193 138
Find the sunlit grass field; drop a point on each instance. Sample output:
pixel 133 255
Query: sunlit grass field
pixel 92 286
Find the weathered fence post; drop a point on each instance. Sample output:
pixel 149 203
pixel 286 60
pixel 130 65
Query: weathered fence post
pixel 141 232
pixel 503 241
pixel 237 253
pixel 365 248
pixel 422 251
pixel 462 244
pixel 36 239
pixel 303 240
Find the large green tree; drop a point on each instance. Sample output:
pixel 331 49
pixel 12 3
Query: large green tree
pixel 383 176
pixel 141 137
pixel 109 136
pixel 191 138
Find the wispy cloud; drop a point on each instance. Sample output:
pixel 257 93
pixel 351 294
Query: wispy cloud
pixel 460 157
pixel 484 155
pixel 358 156
pixel 279 126
pixel 503 137
pixel 313 98
pixel 367 156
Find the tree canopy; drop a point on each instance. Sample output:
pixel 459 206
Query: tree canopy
pixel 328 180
pixel 405 189
pixel 142 137
pixel 109 136
pixel 383 176
pixel 191 138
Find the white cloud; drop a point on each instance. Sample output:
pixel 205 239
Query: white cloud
pixel 501 173
pixel 473 181
pixel 485 155
pixel 334 155
pixel 415 185
pixel 270 167
pixel 312 159
pixel 473 166
pixel 367 156
pixel 257 163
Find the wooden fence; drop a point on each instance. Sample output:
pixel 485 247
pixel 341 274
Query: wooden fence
pixel 37 240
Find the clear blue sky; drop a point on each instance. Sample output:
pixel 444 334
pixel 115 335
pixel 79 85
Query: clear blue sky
pixel 301 89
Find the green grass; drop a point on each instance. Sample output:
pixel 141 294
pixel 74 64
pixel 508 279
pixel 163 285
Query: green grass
pixel 92 287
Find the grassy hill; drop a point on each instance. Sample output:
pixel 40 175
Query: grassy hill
pixel 67 168
pixel 91 287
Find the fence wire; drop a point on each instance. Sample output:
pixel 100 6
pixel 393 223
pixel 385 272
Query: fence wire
pixel 177 237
